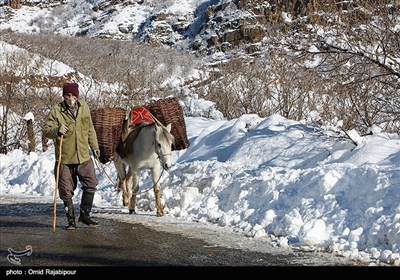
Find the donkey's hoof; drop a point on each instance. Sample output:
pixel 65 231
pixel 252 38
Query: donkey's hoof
pixel 160 214
pixel 132 211
pixel 125 203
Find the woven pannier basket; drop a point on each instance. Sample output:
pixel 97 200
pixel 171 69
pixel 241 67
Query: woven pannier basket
pixel 108 123
pixel 167 111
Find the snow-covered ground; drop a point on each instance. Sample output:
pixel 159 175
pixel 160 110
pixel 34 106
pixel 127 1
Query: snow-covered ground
pixel 266 179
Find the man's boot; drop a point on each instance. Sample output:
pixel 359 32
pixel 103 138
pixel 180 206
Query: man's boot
pixel 86 207
pixel 69 210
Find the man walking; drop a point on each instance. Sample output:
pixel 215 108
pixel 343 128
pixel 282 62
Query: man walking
pixel 70 122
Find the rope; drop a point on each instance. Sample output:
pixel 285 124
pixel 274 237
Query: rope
pixel 102 170
pixel 100 166
pixel 136 193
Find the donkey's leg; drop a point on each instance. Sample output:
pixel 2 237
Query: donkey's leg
pixel 134 180
pixel 122 180
pixel 155 174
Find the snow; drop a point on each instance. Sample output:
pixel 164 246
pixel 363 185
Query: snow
pixel 68 18
pixel 29 116
pixel 265 178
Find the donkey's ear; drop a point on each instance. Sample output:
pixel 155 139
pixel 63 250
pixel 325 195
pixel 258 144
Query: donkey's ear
pixel 168 127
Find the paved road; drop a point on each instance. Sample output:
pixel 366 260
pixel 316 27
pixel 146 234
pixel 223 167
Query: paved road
pixel 119 244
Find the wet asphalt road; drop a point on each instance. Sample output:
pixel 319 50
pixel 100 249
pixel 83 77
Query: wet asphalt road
pixel 114 244
pixel 111 244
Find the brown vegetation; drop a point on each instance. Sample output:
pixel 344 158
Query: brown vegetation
pixel 332 64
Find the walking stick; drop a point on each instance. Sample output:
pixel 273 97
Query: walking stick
pixel 55 192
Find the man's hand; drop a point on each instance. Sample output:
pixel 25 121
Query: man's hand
pixel 62 130
pixel 96 154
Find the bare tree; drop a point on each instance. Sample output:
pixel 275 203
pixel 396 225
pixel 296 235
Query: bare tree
pixel 357 55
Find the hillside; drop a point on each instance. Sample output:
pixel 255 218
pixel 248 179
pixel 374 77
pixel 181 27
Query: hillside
pixel 331 63
pixel 201 26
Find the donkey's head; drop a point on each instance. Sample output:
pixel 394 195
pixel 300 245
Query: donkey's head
pixel 163 144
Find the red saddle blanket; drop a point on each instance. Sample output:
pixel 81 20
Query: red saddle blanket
pixel 139 115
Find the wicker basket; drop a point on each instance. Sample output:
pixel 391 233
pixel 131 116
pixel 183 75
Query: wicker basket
pixel 108 123
pixel 167 111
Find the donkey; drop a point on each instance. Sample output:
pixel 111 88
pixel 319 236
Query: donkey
pixel 150 149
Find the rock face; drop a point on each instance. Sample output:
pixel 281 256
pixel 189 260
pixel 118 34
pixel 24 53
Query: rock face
pixel 221 26
pixel 14 4
pixel 233 25
pixel 236 26
pixel 227 26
